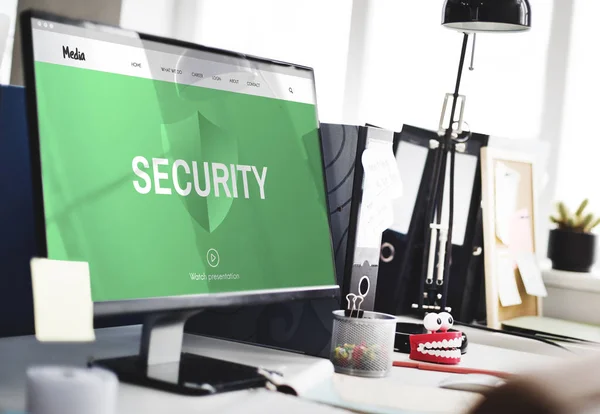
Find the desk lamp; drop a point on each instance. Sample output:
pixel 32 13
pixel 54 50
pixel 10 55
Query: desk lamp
pixel 468 17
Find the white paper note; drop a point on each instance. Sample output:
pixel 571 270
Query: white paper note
pixel 521 232
pixel 382 184
pixel 507 188
pixel 62 301
pixel 376 215
pixel 531 274
pixel 382 177
pixel 508 290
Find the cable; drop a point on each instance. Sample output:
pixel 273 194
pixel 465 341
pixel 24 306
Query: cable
pixel 448 257
pixel 521 335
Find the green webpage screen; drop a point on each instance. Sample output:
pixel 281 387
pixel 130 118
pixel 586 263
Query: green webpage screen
pixel 178 172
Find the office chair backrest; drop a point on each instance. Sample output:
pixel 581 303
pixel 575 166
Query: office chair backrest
pixel 17 237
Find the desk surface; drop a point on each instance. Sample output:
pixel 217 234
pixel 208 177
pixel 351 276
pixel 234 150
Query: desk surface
pixel 16 354
pixel 558 327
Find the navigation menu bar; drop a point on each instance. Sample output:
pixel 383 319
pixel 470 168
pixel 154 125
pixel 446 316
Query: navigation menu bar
pixel 239 75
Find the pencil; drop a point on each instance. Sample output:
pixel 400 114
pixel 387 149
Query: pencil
pixel 452 369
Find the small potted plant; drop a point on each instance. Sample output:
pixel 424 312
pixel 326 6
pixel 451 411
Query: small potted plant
pixel 572 246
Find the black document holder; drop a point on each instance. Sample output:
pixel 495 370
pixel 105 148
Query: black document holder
pixel 340 145
pixel 400 287
pixel 361 261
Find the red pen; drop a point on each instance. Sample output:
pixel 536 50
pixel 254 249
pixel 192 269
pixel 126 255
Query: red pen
pixel 452 369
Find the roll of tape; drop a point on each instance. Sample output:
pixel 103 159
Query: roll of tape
pixel 70 390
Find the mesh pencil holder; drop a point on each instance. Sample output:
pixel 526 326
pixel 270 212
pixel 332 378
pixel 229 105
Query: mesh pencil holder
pixel 363 346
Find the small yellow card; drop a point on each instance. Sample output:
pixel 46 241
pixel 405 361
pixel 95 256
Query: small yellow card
pixel 62 301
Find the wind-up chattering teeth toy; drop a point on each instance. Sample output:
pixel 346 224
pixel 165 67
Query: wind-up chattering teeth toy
pixel 437 345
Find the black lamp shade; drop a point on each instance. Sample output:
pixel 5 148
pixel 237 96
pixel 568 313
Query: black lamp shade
pixel 487 15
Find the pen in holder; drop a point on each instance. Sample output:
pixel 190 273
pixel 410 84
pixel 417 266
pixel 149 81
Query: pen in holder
pixel 363 342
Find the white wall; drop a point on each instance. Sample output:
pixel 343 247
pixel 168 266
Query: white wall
pixel 579 161
pixel 8 8
pixel 312 33
pixel 388 64
pixel 412 62
pixel 155 17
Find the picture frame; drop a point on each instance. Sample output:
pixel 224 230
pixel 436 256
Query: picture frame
pixel 509 194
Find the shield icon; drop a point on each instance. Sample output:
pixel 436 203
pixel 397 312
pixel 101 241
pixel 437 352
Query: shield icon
pixel 196 138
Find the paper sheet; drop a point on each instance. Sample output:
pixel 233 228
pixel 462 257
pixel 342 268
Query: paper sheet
pixel 531 274
pixel 508 290
pixel 381 172
pixel 382 184
pixel 62 301
pixel 410 161
pixel 303 381
pixel 521 232
pixel 376 215
pixel 506 191
pixel 464 176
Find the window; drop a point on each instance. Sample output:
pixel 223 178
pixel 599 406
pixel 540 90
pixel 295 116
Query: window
pixel 412 61
pixel 8 13
pixel 312 33
pixel 578 166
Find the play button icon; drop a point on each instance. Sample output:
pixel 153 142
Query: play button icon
pixel 212 256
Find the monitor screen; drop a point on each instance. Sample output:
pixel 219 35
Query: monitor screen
pixel 174 169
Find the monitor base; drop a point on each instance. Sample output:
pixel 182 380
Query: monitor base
pixel 162 365
pixel 192 375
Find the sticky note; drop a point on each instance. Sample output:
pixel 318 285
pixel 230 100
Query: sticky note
pixel 382 177
pixel 531 274
pixel 62 301
pixel 376 215
pixel 508 291
pixel 521 232
pixel 506 190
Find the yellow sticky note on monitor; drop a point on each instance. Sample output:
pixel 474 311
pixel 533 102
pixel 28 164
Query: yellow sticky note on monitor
pixel 62 301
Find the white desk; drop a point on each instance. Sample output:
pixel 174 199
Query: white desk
pixel 16 354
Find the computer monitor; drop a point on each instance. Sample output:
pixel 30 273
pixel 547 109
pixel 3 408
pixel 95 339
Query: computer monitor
pixel 187 177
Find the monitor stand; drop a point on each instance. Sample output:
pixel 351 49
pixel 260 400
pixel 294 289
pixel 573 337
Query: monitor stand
pixel 161 364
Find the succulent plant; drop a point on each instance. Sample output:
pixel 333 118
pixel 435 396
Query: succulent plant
pixel 577 222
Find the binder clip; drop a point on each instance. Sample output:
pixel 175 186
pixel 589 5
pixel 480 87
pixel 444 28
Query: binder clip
pixel 354 303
